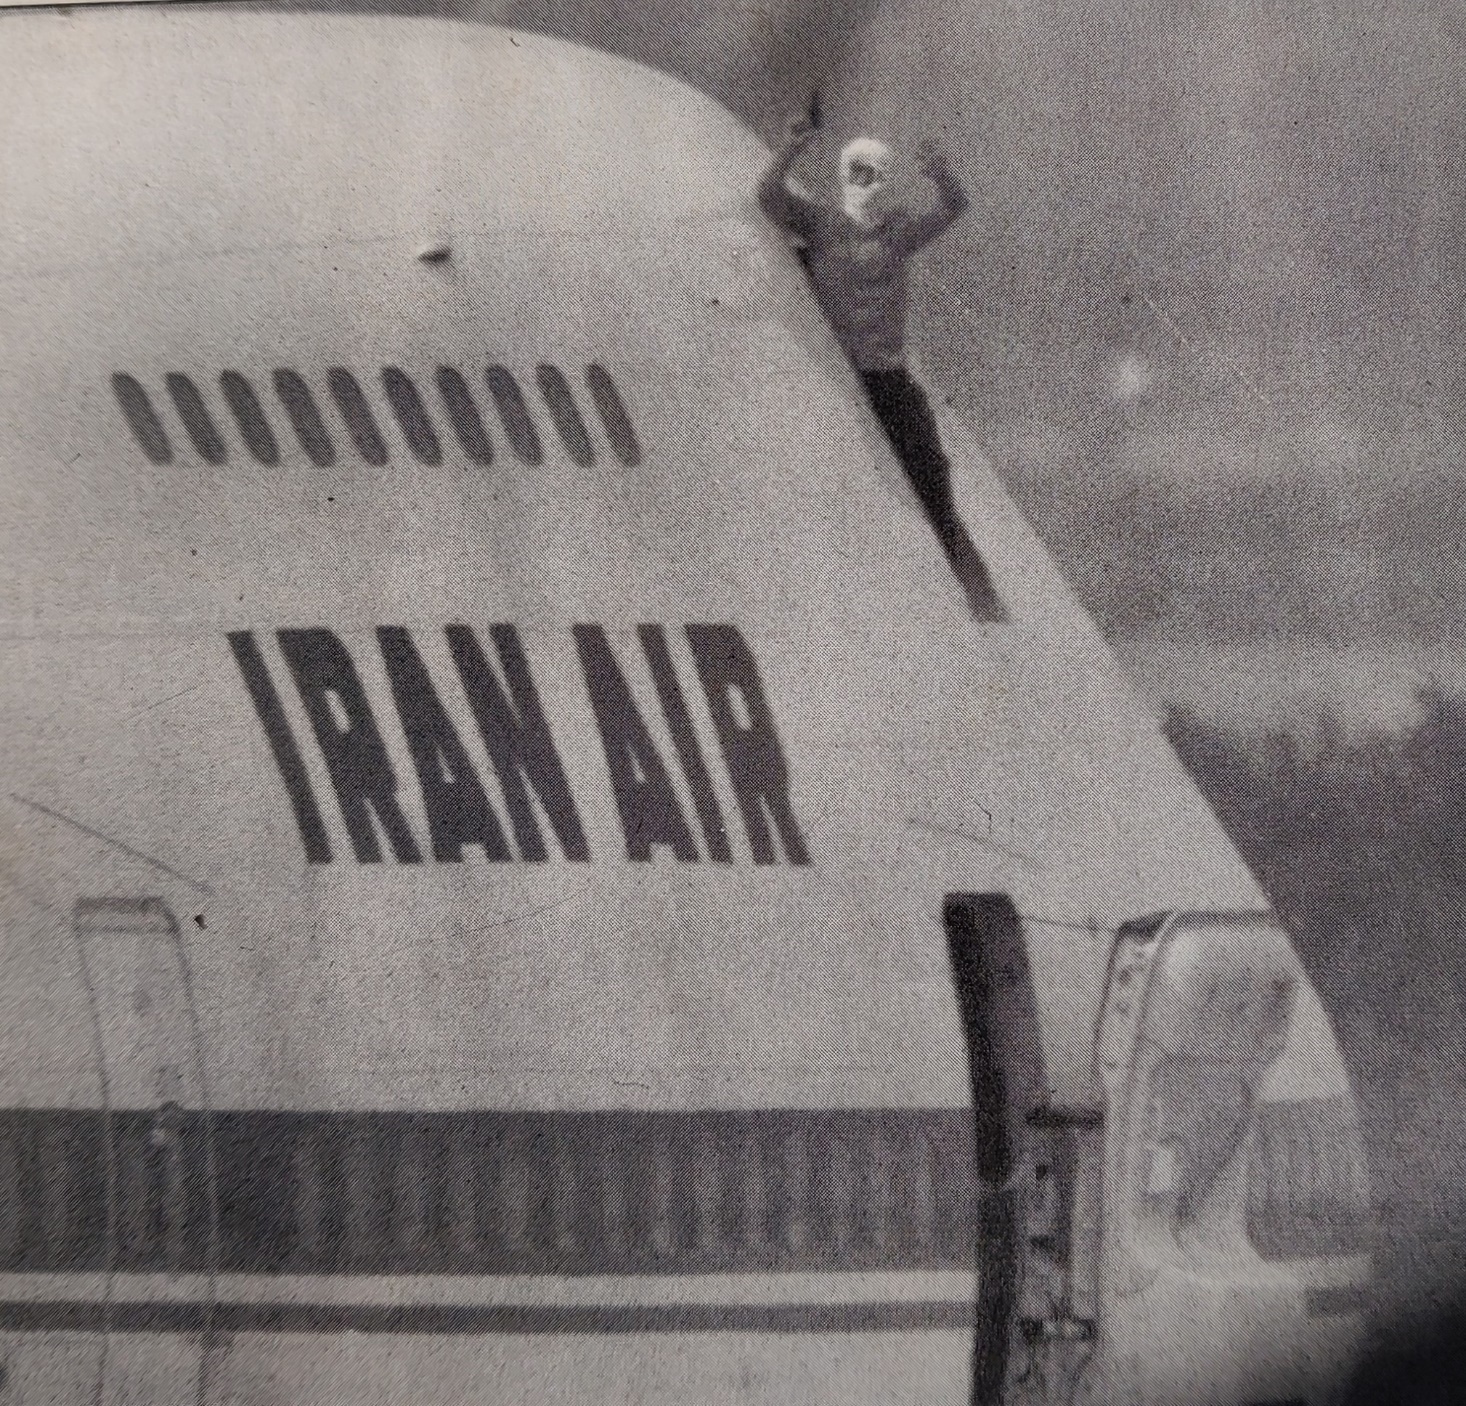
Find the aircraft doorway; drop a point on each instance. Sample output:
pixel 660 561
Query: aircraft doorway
pixel 157 1153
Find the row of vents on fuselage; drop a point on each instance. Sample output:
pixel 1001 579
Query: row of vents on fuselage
pixel 420 431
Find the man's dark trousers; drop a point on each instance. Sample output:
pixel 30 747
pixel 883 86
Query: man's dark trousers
pixel 902 407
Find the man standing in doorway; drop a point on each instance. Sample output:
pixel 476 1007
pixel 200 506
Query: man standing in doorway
pixel 856 257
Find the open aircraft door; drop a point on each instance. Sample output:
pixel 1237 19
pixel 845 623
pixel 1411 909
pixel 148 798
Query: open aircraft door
pixel 1234 1196
pixel 1034 1206
pixel 157 1156
pixel 1194 1233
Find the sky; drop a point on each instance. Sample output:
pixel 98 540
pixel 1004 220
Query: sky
pixel 1205 314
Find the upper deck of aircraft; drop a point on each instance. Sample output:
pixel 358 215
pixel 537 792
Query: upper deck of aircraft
pixel 244 403
pixel 507 804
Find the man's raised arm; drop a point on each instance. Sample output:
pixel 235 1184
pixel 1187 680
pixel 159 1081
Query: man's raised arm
pixel 775 198
pixel 952 199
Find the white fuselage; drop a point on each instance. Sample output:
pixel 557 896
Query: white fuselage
pixel 672 946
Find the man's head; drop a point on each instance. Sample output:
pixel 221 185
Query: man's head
pixel 865 180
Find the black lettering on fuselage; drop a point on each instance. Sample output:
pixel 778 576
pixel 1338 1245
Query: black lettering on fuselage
pixel 532 780
pixel 650 812
pixel 753 755
pixel 356 757
pixel 684 739
pixel 458 809
pixel 282 743
pixel 518 739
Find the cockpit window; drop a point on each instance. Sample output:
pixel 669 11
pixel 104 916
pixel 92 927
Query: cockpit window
pixel 142 419
pixel 613 414
pixel 299 404
pixel 412 416
pixel 360 422
pixel 463 412
pixel 523 438
pixel 195 417
pixel 259 438
pixel 566 415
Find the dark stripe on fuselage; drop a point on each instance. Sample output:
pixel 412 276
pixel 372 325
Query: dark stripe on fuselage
pixel 83 1316
pixel 564 1193
pixel 567 1193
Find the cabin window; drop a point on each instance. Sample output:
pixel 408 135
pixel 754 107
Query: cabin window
pixel 258 437
pixel 613 415
pixel 514 415
pixel 360 422
pixel 142 419
pixel 463 413
pixel 363 426
pixel 597 1193
pixel 564 412
pixel 300 405
pixel 195 417
pixel 412 416
pixel 487 1193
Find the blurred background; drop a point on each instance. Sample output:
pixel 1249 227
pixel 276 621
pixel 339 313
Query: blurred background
pixel 1205 312
pixel 1205 315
